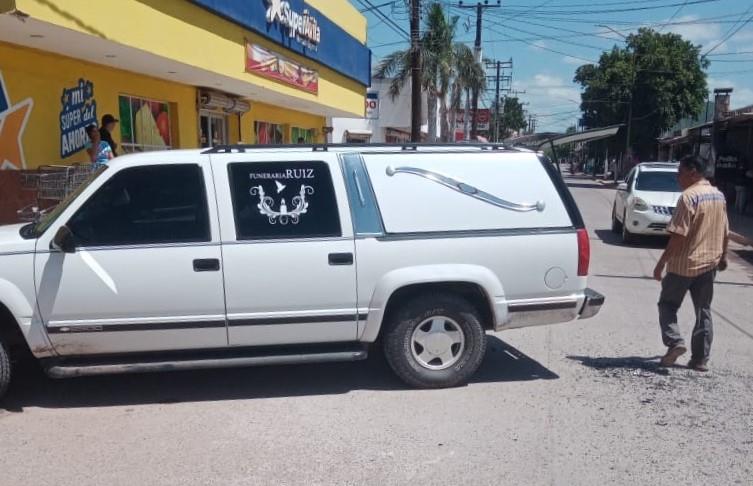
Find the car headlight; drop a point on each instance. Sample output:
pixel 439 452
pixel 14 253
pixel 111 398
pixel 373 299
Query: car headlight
pixel 640 205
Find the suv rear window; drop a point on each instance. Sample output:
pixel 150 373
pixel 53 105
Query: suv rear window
pixel 280 200
pixel 658 181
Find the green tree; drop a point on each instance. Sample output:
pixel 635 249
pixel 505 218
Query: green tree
pixel 444 66
pixel 511 118
pixel 660 75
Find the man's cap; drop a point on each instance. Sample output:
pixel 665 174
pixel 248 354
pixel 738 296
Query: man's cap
pixel 108 118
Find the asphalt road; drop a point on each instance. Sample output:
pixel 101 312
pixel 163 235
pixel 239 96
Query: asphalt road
pixel 574 404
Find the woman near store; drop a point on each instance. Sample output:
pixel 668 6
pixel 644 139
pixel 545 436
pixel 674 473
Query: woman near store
pixel 99 151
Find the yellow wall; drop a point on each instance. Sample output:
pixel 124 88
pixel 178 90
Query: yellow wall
pixel 273 114
pixel 186 33
pixel 42 77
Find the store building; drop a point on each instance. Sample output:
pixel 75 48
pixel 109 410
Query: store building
pixel 177 74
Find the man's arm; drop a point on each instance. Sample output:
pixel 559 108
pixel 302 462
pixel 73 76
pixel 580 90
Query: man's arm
pixel 673 248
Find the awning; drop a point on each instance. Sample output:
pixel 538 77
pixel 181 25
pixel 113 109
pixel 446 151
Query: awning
pixel 539 140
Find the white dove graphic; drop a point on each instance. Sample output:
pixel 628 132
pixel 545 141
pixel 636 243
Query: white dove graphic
pixel 280 186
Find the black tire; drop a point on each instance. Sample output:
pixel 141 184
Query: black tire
pixel 627 237
pixel 616 225
pixel 398 341
pixel 5 370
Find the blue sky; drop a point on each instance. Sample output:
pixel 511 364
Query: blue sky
pixel 548 40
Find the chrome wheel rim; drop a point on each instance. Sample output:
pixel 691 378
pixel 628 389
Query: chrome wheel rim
pixel 437 343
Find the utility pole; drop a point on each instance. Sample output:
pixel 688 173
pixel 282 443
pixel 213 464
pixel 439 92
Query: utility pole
pixel 480 6
pixel 499 78
pixel 415 60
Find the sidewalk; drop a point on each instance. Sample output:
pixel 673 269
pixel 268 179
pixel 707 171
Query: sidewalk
pixel 741 224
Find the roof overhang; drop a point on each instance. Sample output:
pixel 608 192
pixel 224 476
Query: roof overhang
pixel 540 140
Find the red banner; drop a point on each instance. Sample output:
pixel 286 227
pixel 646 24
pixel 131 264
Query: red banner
pixel 275 66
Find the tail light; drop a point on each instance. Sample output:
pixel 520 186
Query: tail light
pixel 584 252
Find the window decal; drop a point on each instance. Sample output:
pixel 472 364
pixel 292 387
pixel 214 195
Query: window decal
pixel 283 215
pixel 467 189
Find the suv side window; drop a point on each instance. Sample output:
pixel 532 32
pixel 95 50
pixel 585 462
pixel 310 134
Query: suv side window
pixel 278 200
pixel 144 205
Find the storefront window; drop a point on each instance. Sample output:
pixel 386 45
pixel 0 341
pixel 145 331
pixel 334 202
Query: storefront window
pixel 144 124
pixel 302 135
pixel 213 129
pixel 268 133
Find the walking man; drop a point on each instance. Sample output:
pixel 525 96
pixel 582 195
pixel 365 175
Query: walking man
pixel 696 249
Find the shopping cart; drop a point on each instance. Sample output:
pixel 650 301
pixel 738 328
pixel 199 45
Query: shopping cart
pixel 52 184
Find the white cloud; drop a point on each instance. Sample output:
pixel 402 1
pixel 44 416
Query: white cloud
pixel 573 61
pixel 538 45
pixel 704 34
pixel 553 96
pixel 741 96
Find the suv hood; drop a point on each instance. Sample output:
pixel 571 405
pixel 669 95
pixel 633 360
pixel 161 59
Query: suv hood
pixel 654 198
pixel 11 240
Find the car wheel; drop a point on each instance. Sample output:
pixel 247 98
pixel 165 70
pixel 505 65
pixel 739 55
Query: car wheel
pixel 5 369
pixel 616 225
pixel 627 236
pixel 435 341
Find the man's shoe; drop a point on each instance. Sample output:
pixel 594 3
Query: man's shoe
pixel 673 353
pixel 699 365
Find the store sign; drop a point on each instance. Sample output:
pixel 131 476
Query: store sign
pixel 79 110
pixel 300 26
pixel 272 65
pixel 483 120
pixel 13 119
pixel 372 106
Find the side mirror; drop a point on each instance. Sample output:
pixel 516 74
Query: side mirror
pixel 63 241
pixel 622 186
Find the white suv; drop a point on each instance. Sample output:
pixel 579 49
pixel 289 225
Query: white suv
pixel 645 202
pixel 246 255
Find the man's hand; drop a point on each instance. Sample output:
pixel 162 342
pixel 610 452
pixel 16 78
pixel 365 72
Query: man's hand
pixel 722 264
pixel 659 270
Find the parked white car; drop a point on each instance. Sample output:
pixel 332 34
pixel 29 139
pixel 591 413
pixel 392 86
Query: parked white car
pixel 646 200
pixel 250 255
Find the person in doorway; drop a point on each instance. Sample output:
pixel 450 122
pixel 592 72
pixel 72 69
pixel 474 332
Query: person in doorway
pixel 99 151
pixel 696 250
pixel 109 123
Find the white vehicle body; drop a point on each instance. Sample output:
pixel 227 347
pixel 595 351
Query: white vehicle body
pixel 291 246
pixel 646 200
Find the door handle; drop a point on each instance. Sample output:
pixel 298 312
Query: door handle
pixel 206 265
pixel 340 259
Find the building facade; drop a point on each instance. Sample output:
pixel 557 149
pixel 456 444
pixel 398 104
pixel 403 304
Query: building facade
pixel 175 73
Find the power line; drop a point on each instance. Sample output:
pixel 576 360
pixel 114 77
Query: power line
pixel 388 21
pixel 612 10
pixel 545 48
pixel 731 32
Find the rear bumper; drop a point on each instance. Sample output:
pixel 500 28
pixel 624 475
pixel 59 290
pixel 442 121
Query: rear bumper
pixel 539 312
pixel 591 304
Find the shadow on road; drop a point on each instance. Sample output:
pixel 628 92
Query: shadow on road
pixel 31 388
pixel 609 237
pixel 650 364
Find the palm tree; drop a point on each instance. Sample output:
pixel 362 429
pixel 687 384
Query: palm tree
pixel 468 75
pixel 438 67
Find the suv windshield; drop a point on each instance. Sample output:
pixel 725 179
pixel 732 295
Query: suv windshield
pixel 36 229
pixel 657 181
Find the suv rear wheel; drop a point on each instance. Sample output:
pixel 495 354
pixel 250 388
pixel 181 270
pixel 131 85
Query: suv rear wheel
pixel 435 341
pixel 4 369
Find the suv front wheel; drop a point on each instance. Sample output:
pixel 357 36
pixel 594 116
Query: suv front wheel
pixel 435 341
pixel 4 369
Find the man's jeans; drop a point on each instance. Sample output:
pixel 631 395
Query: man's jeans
pixel 673 290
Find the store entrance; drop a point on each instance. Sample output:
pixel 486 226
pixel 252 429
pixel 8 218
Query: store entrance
pixel 213 128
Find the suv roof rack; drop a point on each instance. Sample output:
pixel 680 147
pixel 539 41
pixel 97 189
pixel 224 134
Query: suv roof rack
pixel 324 147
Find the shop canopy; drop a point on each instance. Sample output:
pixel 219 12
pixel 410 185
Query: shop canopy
pixel 537 141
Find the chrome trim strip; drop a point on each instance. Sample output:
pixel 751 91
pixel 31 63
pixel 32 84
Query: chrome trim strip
pixel 467 189
pixel 286 240
pixel 190 244
pixel 138 326
pixel 63 371
pixel 430 235
pixel 20 252
pixel 273 321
